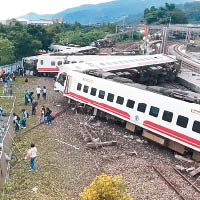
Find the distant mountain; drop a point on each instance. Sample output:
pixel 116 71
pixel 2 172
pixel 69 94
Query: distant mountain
pixel 113 11
pixel 35 16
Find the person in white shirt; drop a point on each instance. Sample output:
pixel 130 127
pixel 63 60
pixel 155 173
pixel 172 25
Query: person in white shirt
pixel 32 153
pixel 38 91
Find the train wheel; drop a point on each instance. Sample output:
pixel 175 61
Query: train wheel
pixel 138 130
pixel 45 74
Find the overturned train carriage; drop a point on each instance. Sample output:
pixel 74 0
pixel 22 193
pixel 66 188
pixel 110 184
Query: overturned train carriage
pixel 169 121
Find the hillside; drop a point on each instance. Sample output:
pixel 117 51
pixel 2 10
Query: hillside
pixel 113 11
pixel 192 11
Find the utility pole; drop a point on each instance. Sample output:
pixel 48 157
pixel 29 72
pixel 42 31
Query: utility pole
pixel 188 37
pixel 164 40
pixel 170 19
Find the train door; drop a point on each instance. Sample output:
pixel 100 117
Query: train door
pixel 68 84
pixel 60 82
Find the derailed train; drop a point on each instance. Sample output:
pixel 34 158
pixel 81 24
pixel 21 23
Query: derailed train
pixel 171 122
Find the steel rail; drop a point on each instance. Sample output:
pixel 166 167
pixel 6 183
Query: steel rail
pixel 169 183
pixel 191 67
pixel 183 55
pixel 186 64
pixel 185 178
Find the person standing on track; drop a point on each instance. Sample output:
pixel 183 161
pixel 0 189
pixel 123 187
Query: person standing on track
pixel 1 113
pixel 16 120
pixel 44 92
pixel 26 96
pixel 38 91
pixel 32 153
pixel 42 114
pixel 34 105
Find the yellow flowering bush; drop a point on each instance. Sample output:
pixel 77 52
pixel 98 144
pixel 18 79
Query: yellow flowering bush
pixel 106 187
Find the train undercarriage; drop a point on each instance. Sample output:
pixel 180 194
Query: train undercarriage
pixel 134 129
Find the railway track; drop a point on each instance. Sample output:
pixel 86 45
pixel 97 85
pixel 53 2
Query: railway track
pixel 186 64
pixel 183 187
pixel 191 67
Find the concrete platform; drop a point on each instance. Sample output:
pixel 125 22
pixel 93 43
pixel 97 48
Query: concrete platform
pixel 190 80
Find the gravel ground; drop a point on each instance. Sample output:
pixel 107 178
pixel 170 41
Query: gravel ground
pixel 71 166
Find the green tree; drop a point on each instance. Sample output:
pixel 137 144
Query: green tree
pixel 6 52
pixel 40 33
pixel 170 7
pixel 36 45
pixel 163 15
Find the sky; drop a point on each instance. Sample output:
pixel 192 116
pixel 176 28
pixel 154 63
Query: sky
pixel 15 8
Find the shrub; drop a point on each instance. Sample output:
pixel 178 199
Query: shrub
pixel 106 187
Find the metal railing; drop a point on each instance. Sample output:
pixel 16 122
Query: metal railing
pixel 6 144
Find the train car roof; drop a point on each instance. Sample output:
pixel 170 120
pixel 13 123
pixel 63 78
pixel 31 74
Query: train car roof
pixel 133 62
pixel 94 58
pixel 120 63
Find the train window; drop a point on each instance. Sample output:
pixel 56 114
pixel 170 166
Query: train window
pixel 79 86
pixel 85 89
pixel 110 97
pixel 53 63
pixel 154 111
pixel 120 100
pixel 130 103
pixel 61 79
pixel 167 116
pixel 93 91
pixel 101 94
pixel 142 107
pixel 196 126
pixel 182 121
pixel 59 63
pixel 41 62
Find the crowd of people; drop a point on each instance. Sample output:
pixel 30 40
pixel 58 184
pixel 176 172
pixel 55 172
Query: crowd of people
pixel 7 77
pixel 45 113
pixel 30 99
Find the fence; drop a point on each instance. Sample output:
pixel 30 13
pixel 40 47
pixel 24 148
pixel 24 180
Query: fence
pixel 11 68
pixel 6 141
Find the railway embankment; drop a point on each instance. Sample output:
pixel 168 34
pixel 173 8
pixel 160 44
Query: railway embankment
pixel 65 165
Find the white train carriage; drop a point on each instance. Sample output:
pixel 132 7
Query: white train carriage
pixel 173 121
pixel 49 63
pixel 108 64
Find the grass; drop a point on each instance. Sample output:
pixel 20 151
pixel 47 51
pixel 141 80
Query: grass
pixel 21 181
pixel 6 104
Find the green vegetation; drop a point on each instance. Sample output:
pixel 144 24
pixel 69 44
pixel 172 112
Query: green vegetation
pixel 17 40
pixel 106 187
pixel 6 48
pixel 21 180
pixel 169 14
pixel 192 11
